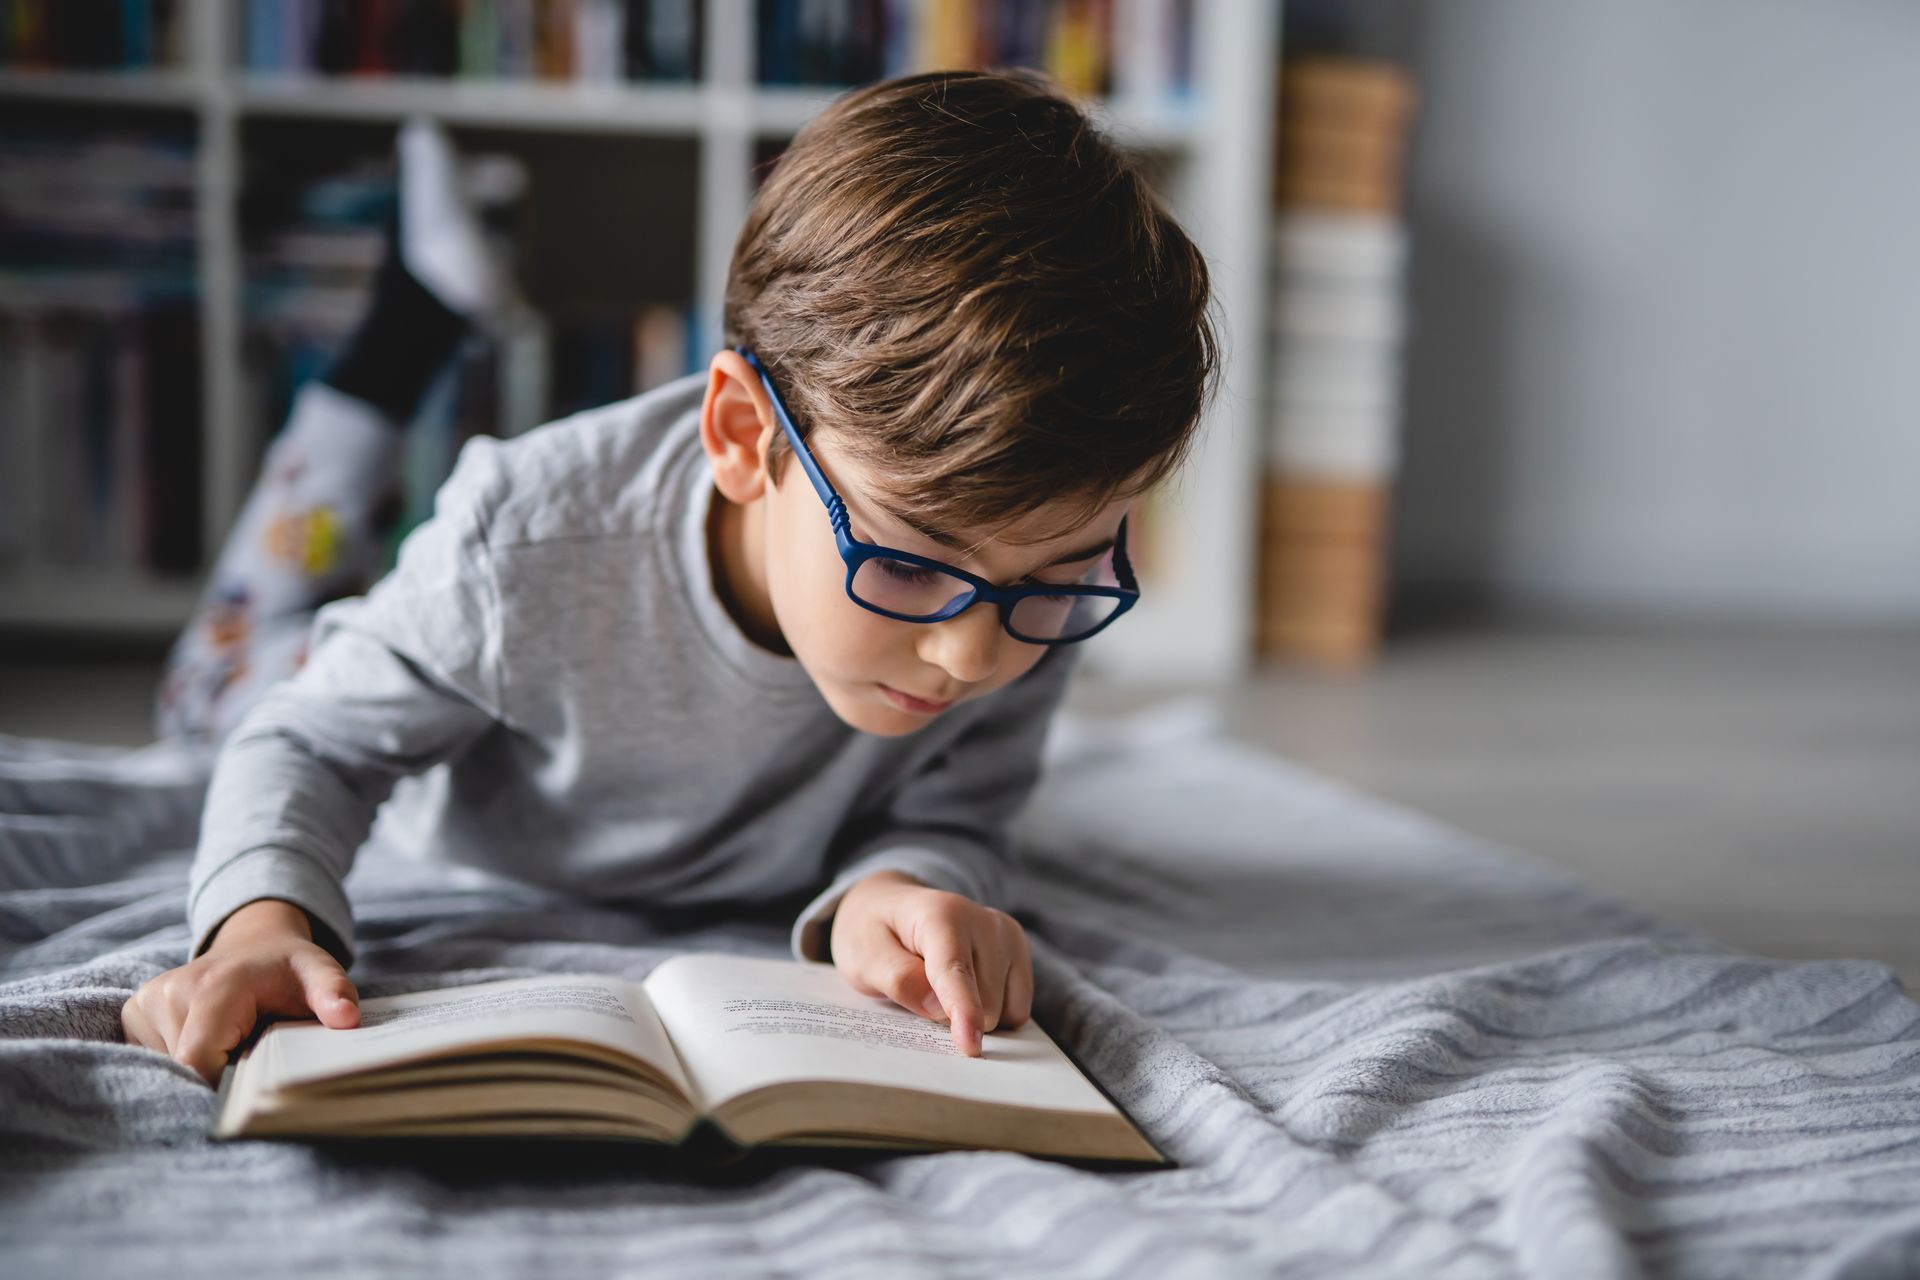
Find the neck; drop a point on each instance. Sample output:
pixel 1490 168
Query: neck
pixel 735 545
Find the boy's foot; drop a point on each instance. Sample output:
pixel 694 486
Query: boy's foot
pixel 443 243
pixel 440 278
pixel 314 527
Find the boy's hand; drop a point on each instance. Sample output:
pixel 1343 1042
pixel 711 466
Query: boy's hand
pixel 262 960
pixel 939 954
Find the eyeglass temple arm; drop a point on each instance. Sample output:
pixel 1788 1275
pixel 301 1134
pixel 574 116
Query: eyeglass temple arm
pixel 836 509
pixel 1122 566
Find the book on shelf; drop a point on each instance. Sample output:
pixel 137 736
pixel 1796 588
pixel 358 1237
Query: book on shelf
pixel 1364 96
pixel 101 454
pixel 602 354
pixel 712 1053
pixel 90 35
pixel 107 205
pixel 99 350
pixel 1339 314
pixel 1139 49
pixel 572 41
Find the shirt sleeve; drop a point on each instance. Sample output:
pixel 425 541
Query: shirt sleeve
pixel 396 681
pixel 947 825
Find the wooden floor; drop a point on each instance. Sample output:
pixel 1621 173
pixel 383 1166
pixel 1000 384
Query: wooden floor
pixel 1762 785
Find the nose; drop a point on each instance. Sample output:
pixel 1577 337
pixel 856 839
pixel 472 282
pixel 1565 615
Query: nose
pixel 965 646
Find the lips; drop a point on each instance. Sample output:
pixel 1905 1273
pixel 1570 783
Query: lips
pixel 908 702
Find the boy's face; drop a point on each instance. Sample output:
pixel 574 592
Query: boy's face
pixel 778 567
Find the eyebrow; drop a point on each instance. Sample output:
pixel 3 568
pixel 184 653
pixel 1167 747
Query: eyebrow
pixel 935 536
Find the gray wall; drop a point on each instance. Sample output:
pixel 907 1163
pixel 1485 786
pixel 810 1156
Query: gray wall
pixel 1665 355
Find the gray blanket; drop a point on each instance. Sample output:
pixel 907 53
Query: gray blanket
pixel 1375 1046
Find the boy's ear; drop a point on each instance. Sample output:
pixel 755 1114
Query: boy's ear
pixel 736 427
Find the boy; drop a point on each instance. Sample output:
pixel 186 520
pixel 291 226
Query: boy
pixel 796 622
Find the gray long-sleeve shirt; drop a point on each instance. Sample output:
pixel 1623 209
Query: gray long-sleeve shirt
pixel 548 688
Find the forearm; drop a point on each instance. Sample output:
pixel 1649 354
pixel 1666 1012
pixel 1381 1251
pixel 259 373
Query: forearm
pixel 281 821
pixel 395 682
pixel 296 788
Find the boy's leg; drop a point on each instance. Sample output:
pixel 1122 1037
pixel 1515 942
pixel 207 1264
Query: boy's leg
pixel 313 529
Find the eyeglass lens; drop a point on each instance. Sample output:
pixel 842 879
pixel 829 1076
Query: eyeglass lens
pixel 916 591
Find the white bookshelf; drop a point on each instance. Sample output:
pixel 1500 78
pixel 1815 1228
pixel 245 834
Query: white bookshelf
pixel 1194 622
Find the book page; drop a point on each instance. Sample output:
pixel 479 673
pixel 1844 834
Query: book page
pixel 609 1012
pixel 741 1023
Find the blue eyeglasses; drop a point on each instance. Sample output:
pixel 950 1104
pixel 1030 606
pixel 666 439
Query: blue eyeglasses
pixel 910 588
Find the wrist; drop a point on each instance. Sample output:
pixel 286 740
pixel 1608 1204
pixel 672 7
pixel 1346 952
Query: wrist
pixel 262 918
pixel 860 897
pixel 890 877
pixel 878 883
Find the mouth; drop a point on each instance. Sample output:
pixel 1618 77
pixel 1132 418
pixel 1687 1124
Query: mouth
pixel 919 706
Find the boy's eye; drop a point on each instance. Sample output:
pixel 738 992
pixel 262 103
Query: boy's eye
pixel 901 571
pixel 1091 576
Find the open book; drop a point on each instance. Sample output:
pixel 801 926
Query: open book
pixel 765 1052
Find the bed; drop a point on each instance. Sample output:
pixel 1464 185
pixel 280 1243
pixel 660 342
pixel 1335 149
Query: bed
pixel 1374 1045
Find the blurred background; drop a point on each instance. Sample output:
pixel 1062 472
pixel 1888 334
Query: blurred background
pixel 1561 484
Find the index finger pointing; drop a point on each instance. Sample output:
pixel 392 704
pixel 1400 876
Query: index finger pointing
pixel 950 969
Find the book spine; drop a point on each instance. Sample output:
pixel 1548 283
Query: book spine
pixel 173 398
pixel 674 38
pixel 553 39
pixel 1339 313
pixel 170 40
pixel 138 43
pixel 15 447
pixel 127 504
pixel 480 39
pixel 335 36
pixel 903 37
pixel 299 34
pixel 519 39
pixel 599 41
pixel 636 62
pixel 64 428
pixel 32 440
pixel 777 56
pixel 27 45
pixel 525 375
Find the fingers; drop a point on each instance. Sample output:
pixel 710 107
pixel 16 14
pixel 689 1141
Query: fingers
pixel 160 1016
pixel 213 1027
pixel 990 977
pixel 901 976
pixel 1019 1002
pixel 200 1011
pixel 941 954
pixel 952 970
pixel 137 1028
pixel 196 1028
pixel 329 994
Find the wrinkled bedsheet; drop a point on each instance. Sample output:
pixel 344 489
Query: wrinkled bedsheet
pixel 1374 1045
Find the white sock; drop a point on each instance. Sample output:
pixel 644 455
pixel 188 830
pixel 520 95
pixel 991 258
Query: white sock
pixel 441 239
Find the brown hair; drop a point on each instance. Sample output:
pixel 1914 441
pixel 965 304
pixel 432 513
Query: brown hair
pixel 958 279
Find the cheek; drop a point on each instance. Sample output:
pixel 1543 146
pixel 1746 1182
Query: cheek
pixel 1016 659
pixel 806 583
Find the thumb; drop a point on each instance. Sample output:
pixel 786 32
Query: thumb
pixel 329 993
